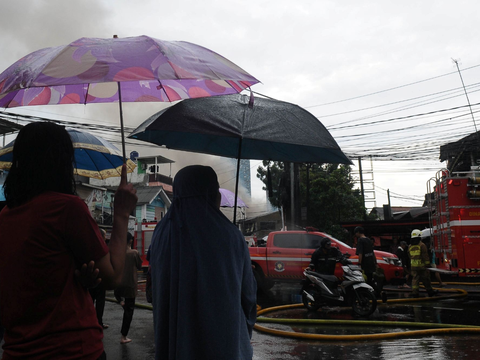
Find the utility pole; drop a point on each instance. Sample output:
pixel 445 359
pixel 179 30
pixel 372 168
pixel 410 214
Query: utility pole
pixel 308 192
pixel 361 184
pixel 292 195
pixel 387 209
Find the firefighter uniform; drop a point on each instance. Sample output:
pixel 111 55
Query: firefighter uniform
pixel 325 258
pixel 419 262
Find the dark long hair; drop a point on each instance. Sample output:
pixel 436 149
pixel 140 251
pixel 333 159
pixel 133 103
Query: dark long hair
pixel 43 160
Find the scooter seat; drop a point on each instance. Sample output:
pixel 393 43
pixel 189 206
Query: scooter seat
pixel 327 278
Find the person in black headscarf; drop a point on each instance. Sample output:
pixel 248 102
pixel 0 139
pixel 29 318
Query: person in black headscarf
pixel 204 291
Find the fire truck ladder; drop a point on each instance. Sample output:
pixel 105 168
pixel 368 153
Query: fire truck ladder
pixel 439 210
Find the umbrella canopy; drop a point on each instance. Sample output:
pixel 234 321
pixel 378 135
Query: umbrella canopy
pixel 232 126
pixel 95 157
pixel 228 199
pixel 135 69
pixel 88 70
pixel 240 127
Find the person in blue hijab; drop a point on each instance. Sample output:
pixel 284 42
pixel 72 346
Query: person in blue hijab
pixel 204 291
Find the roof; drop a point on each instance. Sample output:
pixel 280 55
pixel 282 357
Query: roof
pixel 402 212
pixel 453 149
pixel 158 159
pixel 146 194
pixel 276 212
pixel 7 127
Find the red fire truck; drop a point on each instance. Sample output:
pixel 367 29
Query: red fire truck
pixel 143 239
pixel 455 221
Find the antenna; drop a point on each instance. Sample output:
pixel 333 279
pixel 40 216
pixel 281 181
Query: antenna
pixel 466 94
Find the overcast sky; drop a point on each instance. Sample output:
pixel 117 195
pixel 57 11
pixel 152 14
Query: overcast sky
pixel 368 70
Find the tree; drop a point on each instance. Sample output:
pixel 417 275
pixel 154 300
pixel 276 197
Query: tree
pixel 328 191
pixel 332 198
pixel 278 194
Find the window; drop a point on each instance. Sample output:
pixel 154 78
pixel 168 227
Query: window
pixel 313 241
pixel 288 240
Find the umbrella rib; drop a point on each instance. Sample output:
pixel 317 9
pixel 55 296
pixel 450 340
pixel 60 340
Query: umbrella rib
pixel 93 162
pixel 162 89
pixel 86 94
pixel 152 40
pixel 193 55
pixel 97 169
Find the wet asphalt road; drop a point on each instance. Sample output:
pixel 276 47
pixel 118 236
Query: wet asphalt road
pixel 269 347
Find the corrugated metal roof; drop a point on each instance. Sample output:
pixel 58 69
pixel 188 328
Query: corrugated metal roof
pixel 7 127
pixel 146 194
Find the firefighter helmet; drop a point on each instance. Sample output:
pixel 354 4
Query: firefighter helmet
pixel 416 233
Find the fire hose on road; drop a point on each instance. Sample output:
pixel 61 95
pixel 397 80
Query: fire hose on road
pixel 428 329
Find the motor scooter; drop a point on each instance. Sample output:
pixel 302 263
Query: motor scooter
pixel 320 290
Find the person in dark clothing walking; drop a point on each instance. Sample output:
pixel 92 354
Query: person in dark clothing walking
pixel 98 294
pixel 366 257
pixel 325 258
pixel 127 291
pixel 402 254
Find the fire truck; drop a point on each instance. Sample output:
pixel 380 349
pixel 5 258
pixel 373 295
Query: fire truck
pixel 454 201
pixel 143 239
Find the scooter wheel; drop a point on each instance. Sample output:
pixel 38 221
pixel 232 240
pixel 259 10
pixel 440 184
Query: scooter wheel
pixel 364 302
pixel 311 290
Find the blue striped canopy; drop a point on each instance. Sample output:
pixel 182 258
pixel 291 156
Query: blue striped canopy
pixel 95 157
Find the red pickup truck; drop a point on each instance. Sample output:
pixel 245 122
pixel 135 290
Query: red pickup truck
pixel 287 253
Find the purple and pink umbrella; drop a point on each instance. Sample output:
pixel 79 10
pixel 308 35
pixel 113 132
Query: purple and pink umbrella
pixel 134 69
pixel 228 199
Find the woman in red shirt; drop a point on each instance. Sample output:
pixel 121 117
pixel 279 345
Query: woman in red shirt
pixel 47 234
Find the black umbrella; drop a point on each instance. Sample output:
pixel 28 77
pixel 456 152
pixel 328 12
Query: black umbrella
pixel 240 127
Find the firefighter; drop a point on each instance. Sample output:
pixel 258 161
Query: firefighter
pixel 419 262
pixel 325 258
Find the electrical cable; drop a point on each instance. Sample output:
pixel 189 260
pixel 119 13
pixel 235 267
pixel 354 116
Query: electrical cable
pixel 393 88
pixel 406 100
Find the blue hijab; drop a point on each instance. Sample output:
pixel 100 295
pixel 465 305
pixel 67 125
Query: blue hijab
pixel 204 292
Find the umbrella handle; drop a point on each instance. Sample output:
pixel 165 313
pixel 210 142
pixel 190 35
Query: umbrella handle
pixel 121 123
pixel 236 181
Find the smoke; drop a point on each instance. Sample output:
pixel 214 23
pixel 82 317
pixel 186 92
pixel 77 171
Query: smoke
pixel 226 169
pixel 36 24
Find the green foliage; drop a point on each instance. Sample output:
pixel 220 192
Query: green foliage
pixel 279 193
pixel 331 196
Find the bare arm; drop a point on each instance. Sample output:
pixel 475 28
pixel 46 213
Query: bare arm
pixel 360 258
pixel 111 265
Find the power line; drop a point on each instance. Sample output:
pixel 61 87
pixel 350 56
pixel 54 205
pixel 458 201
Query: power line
pixel 389 89
pixel 397 102
pixel 407 117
